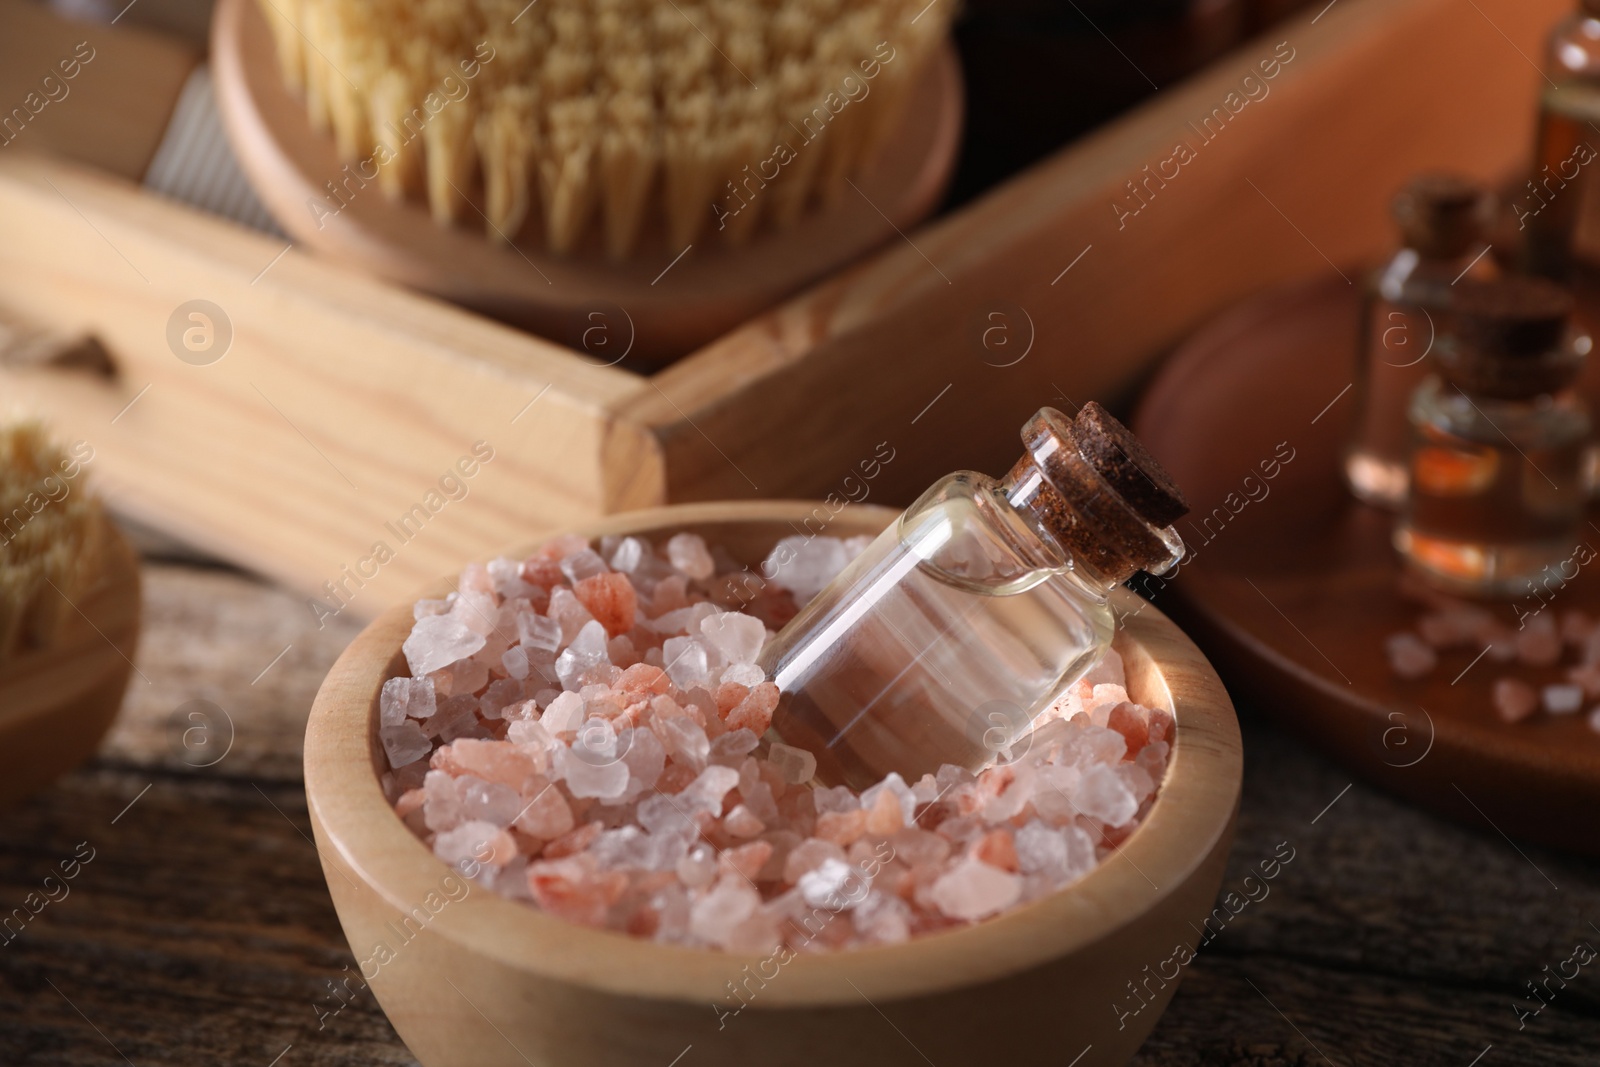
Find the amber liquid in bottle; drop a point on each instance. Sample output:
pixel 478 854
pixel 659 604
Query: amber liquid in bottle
pixel 1498 466
pixel 1442 219
pixel 1498 490
pixel 1557 210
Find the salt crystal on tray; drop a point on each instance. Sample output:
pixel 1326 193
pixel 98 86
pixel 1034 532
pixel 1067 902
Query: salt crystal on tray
pixel 583 731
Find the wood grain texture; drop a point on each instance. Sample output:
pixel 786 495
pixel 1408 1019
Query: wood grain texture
pixel 202 932
pixel 339 405
pixel 668 312
pixel 112 113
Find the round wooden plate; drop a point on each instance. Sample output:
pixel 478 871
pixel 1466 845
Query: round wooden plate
pixel 56 703
pixel 667 306
pixel 1292 586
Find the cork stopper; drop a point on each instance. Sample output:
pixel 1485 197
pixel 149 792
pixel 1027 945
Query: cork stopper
pixel 1099 492
pixel 1506 338
pixel 1122 460
pixel 1443 215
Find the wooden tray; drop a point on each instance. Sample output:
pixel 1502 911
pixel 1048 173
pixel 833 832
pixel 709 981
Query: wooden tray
pixel 1293 595
pixel 667 311
pixel 343 400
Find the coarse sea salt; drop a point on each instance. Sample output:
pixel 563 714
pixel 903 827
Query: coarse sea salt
pixel 583 729
pixel 1538 644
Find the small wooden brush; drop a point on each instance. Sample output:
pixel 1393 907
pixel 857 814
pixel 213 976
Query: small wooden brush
pixel 69 610
pixel 53 537
pixel 608 114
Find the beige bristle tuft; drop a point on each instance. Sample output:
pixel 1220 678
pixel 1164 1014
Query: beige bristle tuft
pixel 399 161
pixel 52 537
pixel 506 147
pixel 620 118
pixel 451 158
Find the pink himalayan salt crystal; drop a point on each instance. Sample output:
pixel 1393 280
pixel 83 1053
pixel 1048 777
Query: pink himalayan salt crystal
pixel 1103 796
pixel 1587 677
pixel 885 817
pixel 737 637
pixel 480 842
pixel 688 555
pixel 493 761
pixel 1501 644
pixel 574 888
pixel 810 853
pixel 1132 722
pixel 404 743
pixel 584 563
pixel 594 769
pixel 998 849
pixel 1514 699
pixel 804 565
pixel 1409 656
pixel 545 813
pixel 741 822
pixel 842 827
pixel 1453 627
pixel 438 641
pixel 403 697
pixel 714 916
pixel 1576 627
pixel 829 885
pixel 1538 643
pixel 754 712
pixel 745 674
pixel 973 890
pixel 1561 699
pixel 701 864
pixel 633 796
pixel 610 598
pixel 882 919
pixel 746 861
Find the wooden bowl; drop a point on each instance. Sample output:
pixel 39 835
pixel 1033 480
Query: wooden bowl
pixel 56 703
pixel 486 981
pixel 651 304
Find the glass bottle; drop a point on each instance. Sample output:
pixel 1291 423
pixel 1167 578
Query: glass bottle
pixel 1556 210
pixel 1443 219
pixel 965 618
pixel 1498 480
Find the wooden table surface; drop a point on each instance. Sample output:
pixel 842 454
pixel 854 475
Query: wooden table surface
pixel 201 931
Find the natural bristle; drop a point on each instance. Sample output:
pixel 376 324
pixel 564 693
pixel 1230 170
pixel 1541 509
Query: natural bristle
pixel 52 537
pixel 606 115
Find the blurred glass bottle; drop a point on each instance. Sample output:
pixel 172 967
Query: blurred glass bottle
pixel 1556 211
pixel 1498 481
pixel 965 618
pixel 1442 219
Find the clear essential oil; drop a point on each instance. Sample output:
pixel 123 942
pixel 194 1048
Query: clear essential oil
pixel 1498 466
pixel 1556 212
pixel 965 619
pixel 1443 220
